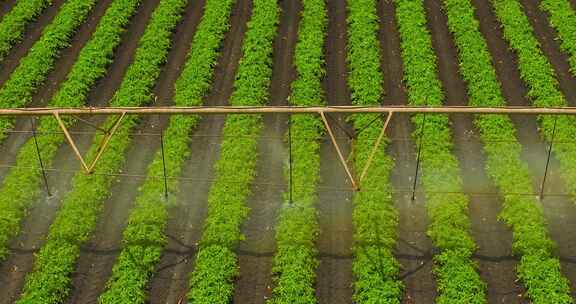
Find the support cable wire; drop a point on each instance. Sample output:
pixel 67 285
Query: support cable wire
pixel 420 140
pixel 164 166
pixel 405 190
pixel 548 159
pixel 290 160
pixel 44 176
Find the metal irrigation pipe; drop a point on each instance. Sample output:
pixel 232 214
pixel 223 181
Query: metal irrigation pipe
pixel 283 109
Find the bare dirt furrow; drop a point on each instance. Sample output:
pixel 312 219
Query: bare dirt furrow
pixel 31 35
pixel 94 268
pixel 170 283
pixel 10 146
pixel 335 241
pixel 6 6
pixel 548 38
pixel 559 210
pixel 255 259
pixel 35 226
pixel 413 248
pixel 492 237
pixel 62 67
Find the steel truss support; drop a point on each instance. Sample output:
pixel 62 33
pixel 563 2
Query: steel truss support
pixel 340 155
pixel 103 143
pixel 121 112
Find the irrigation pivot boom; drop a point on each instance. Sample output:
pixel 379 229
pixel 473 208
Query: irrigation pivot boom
pixel 121 112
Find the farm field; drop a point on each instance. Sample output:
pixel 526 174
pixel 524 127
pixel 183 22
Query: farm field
pixel 258 208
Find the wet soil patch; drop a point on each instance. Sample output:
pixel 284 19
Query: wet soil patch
pixel 493 238
pixel 255 259
pixel 36 226
pixel 170 282
pixel 94 268
pixel 413 248
pixel 560 211
pixel 334 206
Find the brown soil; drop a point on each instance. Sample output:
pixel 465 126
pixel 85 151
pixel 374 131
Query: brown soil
pixel 31 35
pixel 35 227
pixel 559 210
pixel 170 283
pixel 95 268
pixel 334 273
pixel 10 146
pixel 62 67
pixel 255 253
pixel 493 238
pixel 548 38
pixel 6 6
pixel 413 249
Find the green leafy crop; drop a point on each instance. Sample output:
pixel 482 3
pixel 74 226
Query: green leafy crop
pixel 216 263
pixel 144 237
pixel 295 261
pixel 457 279
pixel 49 282
pixel 14 23
pixel 34 67
pixel 20 188
pixel 375 219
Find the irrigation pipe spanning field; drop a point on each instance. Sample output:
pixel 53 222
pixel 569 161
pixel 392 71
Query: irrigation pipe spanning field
pixel 284 110
pixel 322 111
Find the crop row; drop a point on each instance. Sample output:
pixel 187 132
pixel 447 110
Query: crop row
pixel 457 279
pixel 295 261
pixel 14 23
pixel 216 263
pixel 538 270
pixel 21 186
pixel 49 282
pixel 375 219
pixel 144 237
pixel 33 69
pixel 563 19
pixel 537 73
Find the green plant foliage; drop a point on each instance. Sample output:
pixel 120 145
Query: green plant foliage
pixel 522 213
pixel 49 282
pixel 216 264
pixel 21 186
pixel 144 237
pixel 295 261
pixel 34 67
pixel 14 23
pixel 563 19
pixel 537 73
pixel 375 219
pixel 457 279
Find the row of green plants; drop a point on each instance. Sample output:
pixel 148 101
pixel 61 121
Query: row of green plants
pixel 216 267
pixel 563 18
pixel 457 278
pixel 144 236
pixel 34 67
pixel 49 282
pixel 295 261
pixel 543 90
pixel 14 23
pixel 376 270
pixel 538 270
pixel 21 186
